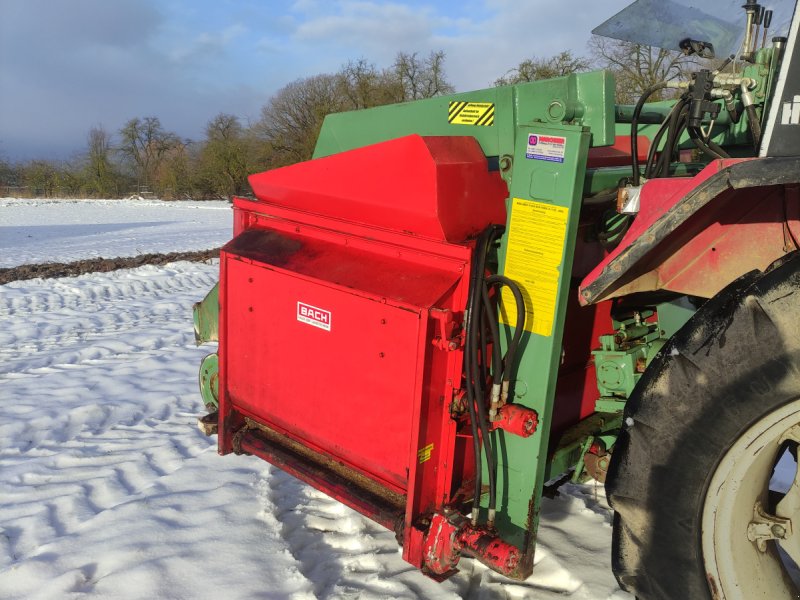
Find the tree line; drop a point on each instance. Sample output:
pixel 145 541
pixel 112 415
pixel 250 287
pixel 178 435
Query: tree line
pixel 145 158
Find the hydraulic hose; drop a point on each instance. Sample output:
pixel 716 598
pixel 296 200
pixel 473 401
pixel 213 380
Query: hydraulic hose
pixel 484 345
pixel 709 148
pixel 648 166
pixel 666 126
pixel 483 329
pixel 676 128
pixel 635 129
pixel 472 370
pixel 501 366
pixel 601 198
pixel 476 442
pixel 494 333
pixel 490 318
pixel 483 423
pixel 755 125
pixel 519 326
pixel 473 316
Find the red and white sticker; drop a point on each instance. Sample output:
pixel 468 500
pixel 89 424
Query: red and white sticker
pixel 551 148
pixel 311 315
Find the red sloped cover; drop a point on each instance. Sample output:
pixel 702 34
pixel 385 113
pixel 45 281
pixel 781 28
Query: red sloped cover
pixel 435 187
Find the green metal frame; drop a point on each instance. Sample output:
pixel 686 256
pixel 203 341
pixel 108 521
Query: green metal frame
pixel 586 99
pixel 522 462
pixel 206 317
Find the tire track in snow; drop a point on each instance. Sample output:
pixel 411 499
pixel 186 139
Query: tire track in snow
pixel 347 555
pixel 70 321
pixel 344 554
pixel 105 424
pixel 63 491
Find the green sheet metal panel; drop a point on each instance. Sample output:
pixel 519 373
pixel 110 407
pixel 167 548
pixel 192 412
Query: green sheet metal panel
pixel 585 98
pixel 546 187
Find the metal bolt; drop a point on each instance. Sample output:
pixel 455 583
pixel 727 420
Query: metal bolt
pixel 779 531
pixel 380 354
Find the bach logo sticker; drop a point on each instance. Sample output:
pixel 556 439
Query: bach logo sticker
pixel 546 147
pixel 311 315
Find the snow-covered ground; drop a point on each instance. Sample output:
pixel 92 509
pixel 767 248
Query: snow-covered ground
pixel 107 488
pixel 35 231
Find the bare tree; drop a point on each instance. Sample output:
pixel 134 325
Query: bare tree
pixel 172 176
pixel 637 67
pixel 225 159
pixel 422 77
pixel 145 143
pixel 534 69
pixel 364 86
pixel 291 120
pixel 101 178
pixel 41 177
pixel 9 177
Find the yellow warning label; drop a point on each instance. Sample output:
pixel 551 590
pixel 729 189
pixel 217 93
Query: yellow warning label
pixel 424 454
pixel 471 113
pixel 536 237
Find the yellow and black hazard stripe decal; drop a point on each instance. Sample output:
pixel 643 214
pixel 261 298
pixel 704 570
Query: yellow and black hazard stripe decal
pixel 424 454
pixel 471 113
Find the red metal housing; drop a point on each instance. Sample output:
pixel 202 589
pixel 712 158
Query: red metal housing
pixel 336 293
pixel 694 235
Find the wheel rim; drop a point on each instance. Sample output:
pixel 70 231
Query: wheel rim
pixel 743 552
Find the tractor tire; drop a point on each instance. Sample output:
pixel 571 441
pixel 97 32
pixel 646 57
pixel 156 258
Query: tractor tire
pixel 703 431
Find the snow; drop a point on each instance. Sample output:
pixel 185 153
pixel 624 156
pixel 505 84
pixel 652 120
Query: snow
pixel 107 488
pixel 35 231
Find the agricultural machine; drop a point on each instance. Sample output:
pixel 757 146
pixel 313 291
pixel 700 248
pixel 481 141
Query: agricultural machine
pixel 461 302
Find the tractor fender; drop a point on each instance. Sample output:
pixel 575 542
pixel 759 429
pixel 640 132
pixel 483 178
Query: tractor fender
pixel 695 235
pixel 737 358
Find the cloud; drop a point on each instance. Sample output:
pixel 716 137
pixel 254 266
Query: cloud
pixel 208 45
pixel 366 20
pixel 67 66
pixel 482 40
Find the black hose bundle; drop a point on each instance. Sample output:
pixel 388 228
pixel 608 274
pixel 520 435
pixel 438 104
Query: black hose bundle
pixel 708 147
pixel 755 126
pixel 637 111
pixel 482 329
pixel 673 126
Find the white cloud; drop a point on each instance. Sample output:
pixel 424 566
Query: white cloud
pixel 479 50
pixel 377 30
pixel 208 44
pixel 98 61
pixel 480 53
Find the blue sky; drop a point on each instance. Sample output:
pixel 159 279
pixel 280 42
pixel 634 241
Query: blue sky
pixel 68 65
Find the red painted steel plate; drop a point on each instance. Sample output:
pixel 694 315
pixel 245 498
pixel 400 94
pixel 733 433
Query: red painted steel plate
pixel 334 364
pixel 434 187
